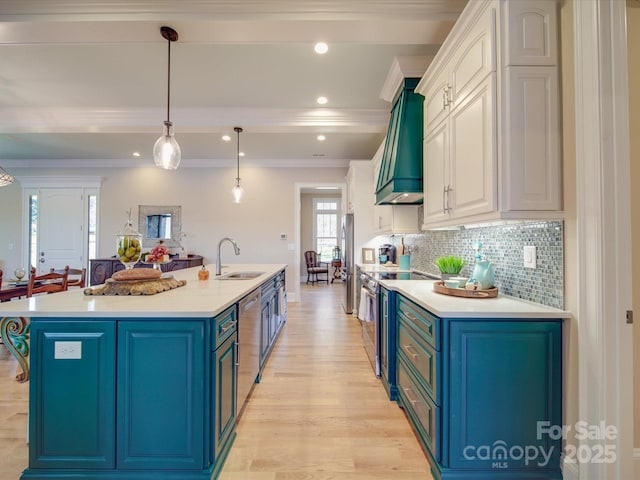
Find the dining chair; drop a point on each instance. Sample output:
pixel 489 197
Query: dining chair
pixel 77 277
pixel 48 282
pixel 0 277
pixel 315 267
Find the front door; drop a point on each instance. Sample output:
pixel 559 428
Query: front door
pixel 60 229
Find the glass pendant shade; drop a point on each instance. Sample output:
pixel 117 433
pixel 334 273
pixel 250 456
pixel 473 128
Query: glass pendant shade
pixel 166 151
pixel 5 178
pixel 237 192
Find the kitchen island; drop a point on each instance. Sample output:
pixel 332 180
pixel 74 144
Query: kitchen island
pixel 480 380
pixel 139 387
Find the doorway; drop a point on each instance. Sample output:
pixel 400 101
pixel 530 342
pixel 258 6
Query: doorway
pixel 59 223
pixel 318 190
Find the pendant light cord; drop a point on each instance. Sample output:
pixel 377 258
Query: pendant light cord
pixel 238 130
pixel 168 77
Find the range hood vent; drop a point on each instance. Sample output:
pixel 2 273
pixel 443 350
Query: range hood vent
pixel 400 178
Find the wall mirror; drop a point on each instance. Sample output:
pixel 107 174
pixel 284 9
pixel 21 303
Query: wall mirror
pixel 160 222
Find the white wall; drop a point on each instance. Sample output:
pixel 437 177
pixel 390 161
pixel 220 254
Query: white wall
pixel 208 214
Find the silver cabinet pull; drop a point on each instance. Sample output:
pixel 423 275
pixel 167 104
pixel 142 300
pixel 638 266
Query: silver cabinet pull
pixel 228 327
pixel 411 350
pixel 447 190
pixel 410 317
pixel 412 400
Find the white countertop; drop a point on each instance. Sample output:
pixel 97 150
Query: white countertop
pixel 376 267
pixel 447 306
pixel 197 298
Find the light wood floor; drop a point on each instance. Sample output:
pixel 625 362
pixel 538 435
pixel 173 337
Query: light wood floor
pixel 319 413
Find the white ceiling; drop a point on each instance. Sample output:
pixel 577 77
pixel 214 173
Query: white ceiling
pixel 83 82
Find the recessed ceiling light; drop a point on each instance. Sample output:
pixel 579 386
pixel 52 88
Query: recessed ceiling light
pixel 321 48
pixel 226 138
pixel 322 100
pixel 136 154
pixel 321 138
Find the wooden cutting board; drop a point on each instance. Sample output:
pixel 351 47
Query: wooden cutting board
pixel 136 287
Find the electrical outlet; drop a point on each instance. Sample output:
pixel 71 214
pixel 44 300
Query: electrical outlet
pixel 530 256
pixel 67 350
pixel 283 236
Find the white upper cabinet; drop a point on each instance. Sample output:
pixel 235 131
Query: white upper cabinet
pixel 392 219
pixel 492 109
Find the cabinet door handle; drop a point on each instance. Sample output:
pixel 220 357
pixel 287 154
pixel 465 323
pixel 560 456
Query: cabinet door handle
pixel 411 350
pixel 237 353
pixel 412 400
pixel 448 90
pixel 444 99
pixel 447 189
pixel 444 200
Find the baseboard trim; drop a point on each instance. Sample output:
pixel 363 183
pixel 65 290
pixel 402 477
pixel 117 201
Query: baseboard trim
pixel 570 471
pixel 636 463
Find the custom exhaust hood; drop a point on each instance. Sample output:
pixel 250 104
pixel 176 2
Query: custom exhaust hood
pixel 400 177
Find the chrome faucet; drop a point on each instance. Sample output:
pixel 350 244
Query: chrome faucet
pixel 218 261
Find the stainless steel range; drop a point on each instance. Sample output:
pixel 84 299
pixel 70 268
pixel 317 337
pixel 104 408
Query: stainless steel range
pixel 369 309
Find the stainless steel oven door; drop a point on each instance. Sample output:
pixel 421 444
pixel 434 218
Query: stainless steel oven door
pixel 371 330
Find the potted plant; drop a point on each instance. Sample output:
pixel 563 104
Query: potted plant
pixel 449 266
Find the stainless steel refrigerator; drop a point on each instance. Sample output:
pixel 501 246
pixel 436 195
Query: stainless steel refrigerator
pixel 348 268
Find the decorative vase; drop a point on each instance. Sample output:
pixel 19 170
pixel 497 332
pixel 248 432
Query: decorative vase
pixel 128 245
pixel 484 275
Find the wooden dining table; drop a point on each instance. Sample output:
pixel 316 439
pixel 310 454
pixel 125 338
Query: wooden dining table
pixel 9 291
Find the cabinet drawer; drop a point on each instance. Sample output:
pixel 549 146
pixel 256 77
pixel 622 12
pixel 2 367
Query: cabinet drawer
pixel 424 415
pixel 421 356
pixel 421 320
pixel 225 325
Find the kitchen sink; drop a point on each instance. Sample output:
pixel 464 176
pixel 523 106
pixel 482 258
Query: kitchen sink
pixel 240 275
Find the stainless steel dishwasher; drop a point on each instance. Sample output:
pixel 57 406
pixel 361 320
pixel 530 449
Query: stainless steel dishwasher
pixel 248 344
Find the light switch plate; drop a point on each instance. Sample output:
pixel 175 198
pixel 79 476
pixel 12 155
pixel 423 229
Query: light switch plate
pixel 530 256
pixel 67 350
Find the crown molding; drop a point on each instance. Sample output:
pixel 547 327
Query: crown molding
pixel 401 68
pixel 79 10
pixel 189 120
pixel 185 163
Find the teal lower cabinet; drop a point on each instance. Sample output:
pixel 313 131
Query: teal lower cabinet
pixel 160 395
pixel 224 387
pixel 386 311
pixel 72 396
pixel 479 392
pixel 272 318
pixel 132 399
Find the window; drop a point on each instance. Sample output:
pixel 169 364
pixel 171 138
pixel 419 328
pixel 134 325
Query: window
pixel 33 230
pixel 93 224
pixel 326 232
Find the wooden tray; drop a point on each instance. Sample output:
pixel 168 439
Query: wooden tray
pixel 440 287
pixel 136 287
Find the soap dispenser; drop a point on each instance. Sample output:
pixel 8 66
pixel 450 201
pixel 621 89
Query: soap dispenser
pixel 483 270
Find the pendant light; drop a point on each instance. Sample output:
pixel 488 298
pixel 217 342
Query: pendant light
pixel 166 151
pixel 5 178
pixel 237 190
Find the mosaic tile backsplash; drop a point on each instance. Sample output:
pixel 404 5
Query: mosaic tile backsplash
pixel 503 246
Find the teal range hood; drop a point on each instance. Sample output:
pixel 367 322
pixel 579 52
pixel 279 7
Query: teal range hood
pixel 400 178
